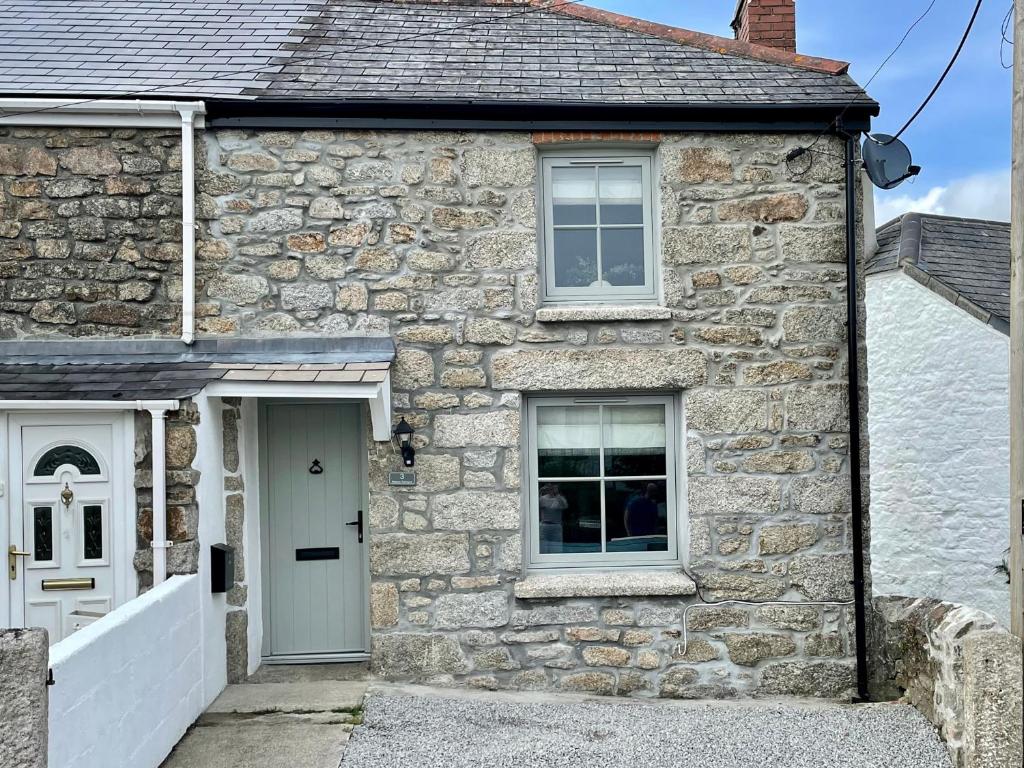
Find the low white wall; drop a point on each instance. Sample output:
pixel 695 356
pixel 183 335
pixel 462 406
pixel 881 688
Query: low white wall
pixel 127 687
pixel 938 381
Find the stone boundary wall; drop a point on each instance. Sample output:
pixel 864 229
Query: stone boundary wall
pixel 24 656
pixel 959 668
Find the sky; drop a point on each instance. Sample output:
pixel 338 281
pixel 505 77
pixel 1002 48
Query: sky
pixel 962 140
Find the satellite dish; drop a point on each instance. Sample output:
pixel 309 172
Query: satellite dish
pixel 887 161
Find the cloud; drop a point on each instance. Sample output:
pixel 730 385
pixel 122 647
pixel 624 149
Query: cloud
pixel 980 196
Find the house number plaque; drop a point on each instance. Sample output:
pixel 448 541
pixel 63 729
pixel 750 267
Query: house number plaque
pixel 401 478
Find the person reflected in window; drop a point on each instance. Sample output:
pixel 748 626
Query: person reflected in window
pixel 641 516
pixel 552 512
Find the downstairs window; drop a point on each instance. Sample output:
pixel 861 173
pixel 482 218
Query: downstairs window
pixel 602 481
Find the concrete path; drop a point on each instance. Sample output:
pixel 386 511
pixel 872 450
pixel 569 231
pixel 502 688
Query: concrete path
pixel 303 724
pixel 432 729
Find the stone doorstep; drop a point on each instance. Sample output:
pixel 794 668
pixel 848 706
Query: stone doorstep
pixel 325 696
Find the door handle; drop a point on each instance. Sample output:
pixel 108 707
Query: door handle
pixel 358 522
pixel 12 560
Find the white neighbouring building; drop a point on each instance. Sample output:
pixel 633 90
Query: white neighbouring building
pixel 938 368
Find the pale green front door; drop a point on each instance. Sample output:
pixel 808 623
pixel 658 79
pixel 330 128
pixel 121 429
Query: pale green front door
pixel 313 572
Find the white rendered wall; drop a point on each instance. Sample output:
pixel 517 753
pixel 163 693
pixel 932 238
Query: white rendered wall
pixel 128 686
pixel 939 430
pixel 210 497
pixel 248 445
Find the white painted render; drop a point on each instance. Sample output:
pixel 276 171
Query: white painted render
pixel 128 686
pixel 210 496
pixel 939 431
pixel 249 461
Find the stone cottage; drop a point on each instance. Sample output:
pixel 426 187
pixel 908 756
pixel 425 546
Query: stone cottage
pixel 503 343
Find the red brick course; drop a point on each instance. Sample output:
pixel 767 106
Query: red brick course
pixel 563 137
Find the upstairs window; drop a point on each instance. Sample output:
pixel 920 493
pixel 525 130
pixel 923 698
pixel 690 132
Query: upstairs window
pixel 598 228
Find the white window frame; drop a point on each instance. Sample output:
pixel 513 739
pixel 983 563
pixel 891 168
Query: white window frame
pixel 604 561
pixel 648 292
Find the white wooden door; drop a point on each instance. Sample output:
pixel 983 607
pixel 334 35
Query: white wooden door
pixel 67 498
pixel 314 547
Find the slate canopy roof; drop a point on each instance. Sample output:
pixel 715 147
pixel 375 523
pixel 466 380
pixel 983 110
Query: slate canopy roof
pixel 98 370
pixel 967 261
pixel 526 51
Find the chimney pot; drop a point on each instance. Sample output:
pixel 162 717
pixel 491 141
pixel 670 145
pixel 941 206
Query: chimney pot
pixel 766 22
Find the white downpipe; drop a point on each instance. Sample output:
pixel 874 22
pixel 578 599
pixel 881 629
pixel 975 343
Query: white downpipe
pixel 159 543
pixel 188 224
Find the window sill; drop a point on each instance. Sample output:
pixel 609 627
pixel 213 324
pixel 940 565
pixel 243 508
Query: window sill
pixel 602 314
pixel 542 586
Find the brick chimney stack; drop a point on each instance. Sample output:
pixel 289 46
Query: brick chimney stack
pixel 766 22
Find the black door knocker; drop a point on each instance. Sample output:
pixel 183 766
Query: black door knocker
pixel 315 468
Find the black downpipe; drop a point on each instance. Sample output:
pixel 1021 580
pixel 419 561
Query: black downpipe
pixel 853 368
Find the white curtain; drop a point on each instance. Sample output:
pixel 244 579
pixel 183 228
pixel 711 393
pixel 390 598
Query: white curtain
pixel 577 428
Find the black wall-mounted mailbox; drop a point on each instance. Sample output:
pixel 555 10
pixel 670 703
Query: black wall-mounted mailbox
pixel 222 568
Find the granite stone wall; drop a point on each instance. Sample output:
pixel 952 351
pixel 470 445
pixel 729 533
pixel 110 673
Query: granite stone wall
pixel 24 698
pixel 237 622
pixel 90 232
pixel 181 481
pixel 431 237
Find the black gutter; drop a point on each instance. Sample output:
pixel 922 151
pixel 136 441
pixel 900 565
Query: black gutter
pixel 512 115
pixel 853 384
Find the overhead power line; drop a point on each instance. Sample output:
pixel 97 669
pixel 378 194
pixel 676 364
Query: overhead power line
pixel 942 77
pixel 835 121
pixel 1004 39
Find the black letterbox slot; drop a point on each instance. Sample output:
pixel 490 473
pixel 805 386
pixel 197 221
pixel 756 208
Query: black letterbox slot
pixel 318 553
pixel 222 568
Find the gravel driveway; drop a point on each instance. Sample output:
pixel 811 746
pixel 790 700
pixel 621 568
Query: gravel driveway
pixel 535 731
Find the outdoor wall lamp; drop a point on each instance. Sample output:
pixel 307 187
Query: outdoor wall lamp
pixel 403 433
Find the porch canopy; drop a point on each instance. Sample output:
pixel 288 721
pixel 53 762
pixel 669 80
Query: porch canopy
pixel 131 373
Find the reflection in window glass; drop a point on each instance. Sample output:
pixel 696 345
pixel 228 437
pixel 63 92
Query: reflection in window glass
pixel 42 534
pixel 575 257
pixel 622 256
pixel 92 531
pixel 602 482
pixel 570 517
pixel 636 516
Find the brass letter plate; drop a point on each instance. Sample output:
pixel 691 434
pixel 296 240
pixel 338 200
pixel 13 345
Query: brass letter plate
pixel 52 585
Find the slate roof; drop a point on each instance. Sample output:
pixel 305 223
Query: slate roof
pixel 965 260
pixel 399 51
pixel 170 370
